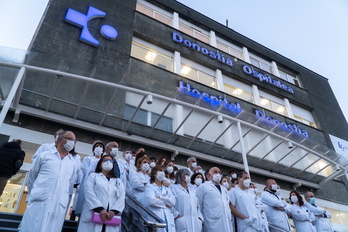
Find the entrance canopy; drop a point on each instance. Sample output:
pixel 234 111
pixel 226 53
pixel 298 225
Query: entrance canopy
pixel 171 118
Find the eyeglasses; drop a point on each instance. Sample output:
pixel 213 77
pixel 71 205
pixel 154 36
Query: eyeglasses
pixel 68 138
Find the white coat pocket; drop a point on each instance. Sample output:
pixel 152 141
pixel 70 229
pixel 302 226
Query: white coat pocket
pixel 180 225
pixel 38 194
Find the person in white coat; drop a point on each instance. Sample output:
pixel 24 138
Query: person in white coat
pixel 196 180
pixel 160 199
pixel 190 217
pixel 322 216
pixel 105 195
pixel 88 166
pixel 277 208
pixel 214 203
pixel 139 179
pixel 47 146
pixel 301 216
pixel 125 166
pixel 243 206
pixel 48 183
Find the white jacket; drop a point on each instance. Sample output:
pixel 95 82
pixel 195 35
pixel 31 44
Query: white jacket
pixel 302 218
pixel 137 186
pixel 162 207
pixel 215 207
pixel 101 192
pixel 322 224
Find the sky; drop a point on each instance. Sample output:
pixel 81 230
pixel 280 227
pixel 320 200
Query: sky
pixel 313 33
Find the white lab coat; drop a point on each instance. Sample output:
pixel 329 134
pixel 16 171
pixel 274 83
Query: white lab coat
pixel 78 179
pixel 322 224
pixel 137 186
pixel 101 192
pixel 44 147
pixel 276 217
pixel 88 166
pixel 188 207
pixel 162 207
pixel 244 202
pixel 302 218
pixel 48 184
pixel 124 167
pixel 215 207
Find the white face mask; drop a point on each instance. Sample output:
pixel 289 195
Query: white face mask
pixel 128 156
pixel 274 187
pixel 69 145
pixel 234 176
pixel 294 199
pixel 160 176
pixel 217 178
pixel 194 164
pixel 246 183
pixel 107 166
pixel 170 169
pixel 152 164
pixel 198 181
pixel 226 185
pixel 187 179
pixel 145 167
pixel 114 152
pixel 98 151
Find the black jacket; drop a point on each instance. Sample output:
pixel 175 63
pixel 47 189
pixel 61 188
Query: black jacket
pixel 11 159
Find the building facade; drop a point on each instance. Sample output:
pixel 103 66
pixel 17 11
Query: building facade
pixel 159 75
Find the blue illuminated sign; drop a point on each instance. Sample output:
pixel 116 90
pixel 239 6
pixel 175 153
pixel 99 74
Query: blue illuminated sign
pixel 292 127
pixel 214 100
pixel 80 20
pixel 265 78
pixel 214 55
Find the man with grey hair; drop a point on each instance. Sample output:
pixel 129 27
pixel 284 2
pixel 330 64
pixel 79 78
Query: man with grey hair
pixel 47 146
pixel 192 164
pixel 322 216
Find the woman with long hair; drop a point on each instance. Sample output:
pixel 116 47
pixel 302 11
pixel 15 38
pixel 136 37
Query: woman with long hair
pixel 139 179
pixel 169 173
pixel 301 216
pixel 105 195
pixel 160 199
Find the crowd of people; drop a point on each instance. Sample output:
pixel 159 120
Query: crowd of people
pixel 187 199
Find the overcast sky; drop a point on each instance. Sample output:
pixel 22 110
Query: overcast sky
pixel 313 33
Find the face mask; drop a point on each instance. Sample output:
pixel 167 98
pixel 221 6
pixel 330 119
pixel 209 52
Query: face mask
pixel 234 176
pixel 128 156
pixel 187 179
pixel 274 187
pixel 312 200
pixel 216 178
pixel 152 164
pixel 114 152
pixel 194 164
pixel 69 145
pixel 201 171
pixel 145 167
pixel 198 181
pixel 160 176
pixel 170 169
pixel 246 183
pixel 98 151
pixel 107 166
pixel 132 161
pixel 294 199
pixel 226 185
pixel 277 192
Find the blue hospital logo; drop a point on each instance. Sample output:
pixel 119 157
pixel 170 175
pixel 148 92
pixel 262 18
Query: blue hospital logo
pixel 80 20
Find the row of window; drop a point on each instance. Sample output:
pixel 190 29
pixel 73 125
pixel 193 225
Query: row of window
pixel 164 59
pixel 221 44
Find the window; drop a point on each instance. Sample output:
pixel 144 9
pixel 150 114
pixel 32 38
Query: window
pixel 194 32
pixel 152 56
pixel 197 75
pixel 230 49
pixel 305 121
pixel 261 64
pixel 156 14
pixel 148 118
pixel 237 92
pixel 273 106
pixel 303 115
pixel 290 77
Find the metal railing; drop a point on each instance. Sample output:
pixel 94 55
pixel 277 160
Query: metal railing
pixel 137 218
pixel 278 228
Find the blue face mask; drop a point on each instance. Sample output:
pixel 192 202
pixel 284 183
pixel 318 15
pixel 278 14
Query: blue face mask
pixel 312 200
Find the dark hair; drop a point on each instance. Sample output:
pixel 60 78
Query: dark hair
pixel 154 171
pixel 98 169
pixel 300 200
pixel 153 158
pixel 95 143
pixel 18 141
pixel 159 162
pixel 240 174
pixel 193 177
pixel 171 175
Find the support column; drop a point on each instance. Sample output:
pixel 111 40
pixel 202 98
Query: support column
pixel 244 155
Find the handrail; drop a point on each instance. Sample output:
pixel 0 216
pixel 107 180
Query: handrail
pixel 159 224
pixel 278 227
